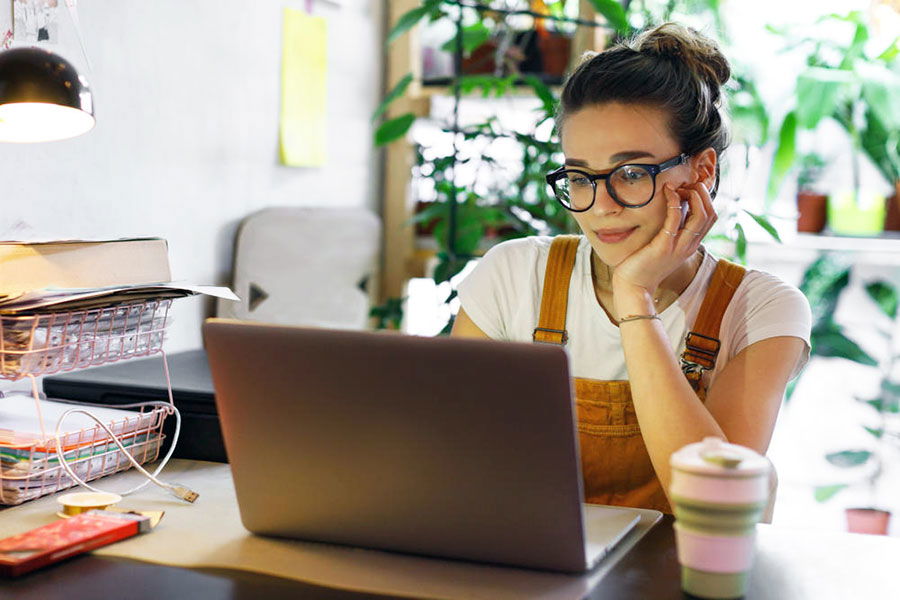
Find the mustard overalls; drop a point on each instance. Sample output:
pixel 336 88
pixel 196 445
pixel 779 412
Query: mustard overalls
pixel 615 464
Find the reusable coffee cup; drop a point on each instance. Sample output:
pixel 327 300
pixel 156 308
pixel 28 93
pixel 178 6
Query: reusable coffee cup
pixel 719 492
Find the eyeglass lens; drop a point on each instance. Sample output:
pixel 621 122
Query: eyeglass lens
pixel 631 185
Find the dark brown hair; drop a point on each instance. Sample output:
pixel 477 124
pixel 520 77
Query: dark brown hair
pixel 671 67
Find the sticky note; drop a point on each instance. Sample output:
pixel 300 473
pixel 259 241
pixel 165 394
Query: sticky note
pixel 303 90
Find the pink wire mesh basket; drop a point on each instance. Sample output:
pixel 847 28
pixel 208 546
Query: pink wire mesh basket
pixel 30 468
pixel 47 343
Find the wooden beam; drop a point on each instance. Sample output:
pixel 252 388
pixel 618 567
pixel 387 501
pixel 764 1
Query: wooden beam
pixel 586 38
pixel 396 206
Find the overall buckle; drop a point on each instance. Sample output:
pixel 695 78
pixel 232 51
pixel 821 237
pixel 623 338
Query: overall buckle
pixel 564 336
pixel 700 352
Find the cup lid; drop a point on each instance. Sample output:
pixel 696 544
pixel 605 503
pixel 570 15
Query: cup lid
pixel 715 456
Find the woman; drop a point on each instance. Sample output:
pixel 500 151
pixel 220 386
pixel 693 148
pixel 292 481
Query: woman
pixel 655 367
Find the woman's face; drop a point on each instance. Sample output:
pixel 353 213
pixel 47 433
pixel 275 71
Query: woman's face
pixel 598 138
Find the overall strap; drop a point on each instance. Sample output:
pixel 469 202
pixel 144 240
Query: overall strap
pixel 701 345
pixel 551 327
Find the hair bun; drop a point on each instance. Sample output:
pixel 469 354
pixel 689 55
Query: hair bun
pixel 698 53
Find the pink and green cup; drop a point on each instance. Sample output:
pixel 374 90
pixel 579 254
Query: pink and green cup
pixel 719 492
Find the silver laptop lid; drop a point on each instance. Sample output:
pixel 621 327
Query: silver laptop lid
pixel 441 446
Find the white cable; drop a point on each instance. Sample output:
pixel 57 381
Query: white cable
pixel 73 14
pixel 178 490
pixel 150 477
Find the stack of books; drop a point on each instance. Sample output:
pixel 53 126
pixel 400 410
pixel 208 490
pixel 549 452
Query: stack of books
pixel 53 276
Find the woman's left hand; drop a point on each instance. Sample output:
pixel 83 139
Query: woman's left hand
pixel 647 267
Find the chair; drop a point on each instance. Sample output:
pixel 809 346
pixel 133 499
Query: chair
pixel 304 266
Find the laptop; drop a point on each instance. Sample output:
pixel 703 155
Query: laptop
pixel 447 447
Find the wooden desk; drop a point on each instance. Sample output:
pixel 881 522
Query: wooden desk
pixel 791 565
pixel 225 561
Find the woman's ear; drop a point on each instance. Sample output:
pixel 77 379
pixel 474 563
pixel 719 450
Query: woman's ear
pixel 704 167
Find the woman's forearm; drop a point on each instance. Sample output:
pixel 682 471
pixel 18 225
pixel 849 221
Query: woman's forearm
pixel 668 410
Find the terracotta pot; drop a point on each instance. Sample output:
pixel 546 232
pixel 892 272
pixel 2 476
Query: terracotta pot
pixel 555 53
pixel 867 520
pixel 481 60
pixel 524 53
pixel 813 212
pixel 892 214
pixel 536 53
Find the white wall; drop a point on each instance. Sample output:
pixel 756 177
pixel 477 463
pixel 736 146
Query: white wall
pixel 186 142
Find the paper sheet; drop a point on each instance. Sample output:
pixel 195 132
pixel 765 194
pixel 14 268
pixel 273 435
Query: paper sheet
pixel 83 298
pixel 209 534
pixel 21 424
pixel 303 90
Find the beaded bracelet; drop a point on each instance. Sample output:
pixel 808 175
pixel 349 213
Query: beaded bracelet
pixel 638 317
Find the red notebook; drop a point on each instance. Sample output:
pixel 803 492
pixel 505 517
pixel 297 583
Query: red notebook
pixel 67 537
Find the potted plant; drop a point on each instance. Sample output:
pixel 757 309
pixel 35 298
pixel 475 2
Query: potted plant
pixel 554 38
pixel 823 283
pixel 490 44
pixel 857 88
pixel 872 518
pixel 812 204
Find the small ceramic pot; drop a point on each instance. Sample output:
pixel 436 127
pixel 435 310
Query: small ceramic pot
pixel 868 520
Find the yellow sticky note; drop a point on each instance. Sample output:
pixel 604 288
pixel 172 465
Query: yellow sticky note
pixel 303 91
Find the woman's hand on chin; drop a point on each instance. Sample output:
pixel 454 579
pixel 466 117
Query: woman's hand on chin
pixel 644 270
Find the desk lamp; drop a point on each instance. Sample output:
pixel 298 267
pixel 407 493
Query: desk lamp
pixel 42 97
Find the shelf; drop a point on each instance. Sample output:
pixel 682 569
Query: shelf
pixel 805 247
pixel 801 249
pixel 442 86
pixel 889 241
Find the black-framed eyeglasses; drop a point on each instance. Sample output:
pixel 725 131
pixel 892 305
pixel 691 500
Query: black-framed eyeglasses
pixel 631 186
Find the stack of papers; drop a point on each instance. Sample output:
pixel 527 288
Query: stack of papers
pixel 56 300
pixel 51 330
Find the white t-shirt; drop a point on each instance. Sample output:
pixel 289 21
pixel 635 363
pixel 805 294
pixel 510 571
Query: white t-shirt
pixel 502 296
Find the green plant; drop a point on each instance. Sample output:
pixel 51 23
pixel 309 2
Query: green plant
pixel 884 405
pixel 849 83
pixel 809 172
pixel 824 282
pixel 388 315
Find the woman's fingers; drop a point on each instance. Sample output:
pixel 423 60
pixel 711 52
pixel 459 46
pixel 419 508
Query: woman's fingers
pixel 674 213
pixel 701 218
pixel 697 219
pixel 710 209
pixel 672 244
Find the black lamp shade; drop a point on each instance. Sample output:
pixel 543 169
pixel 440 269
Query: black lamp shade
pixel 42 97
